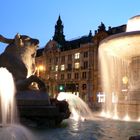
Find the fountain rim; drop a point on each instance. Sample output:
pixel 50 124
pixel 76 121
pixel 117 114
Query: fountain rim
pixel 134 17
pixel 120 45
pixel 119 35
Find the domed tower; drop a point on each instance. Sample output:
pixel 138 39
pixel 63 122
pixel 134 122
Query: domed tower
pixel 58 35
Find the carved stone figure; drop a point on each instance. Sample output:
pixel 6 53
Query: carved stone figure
pixel 19 59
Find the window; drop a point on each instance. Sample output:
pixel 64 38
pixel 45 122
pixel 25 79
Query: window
pixel 50 60
pixel 56 60
pixel 62 76
pixel 69 66
pixel 85 64
pixel 76 75
pixel 77 55
pixel 69 76
pixel 63 59
pixel 69 57
pixel 84 75
pixel 77 65
pixel 52 68
pixel 56 76
pixel 84 86
pixel 62 67
pixel 56 68
pixel 85 54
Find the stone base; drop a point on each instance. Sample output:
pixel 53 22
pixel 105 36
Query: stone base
pixel 40 109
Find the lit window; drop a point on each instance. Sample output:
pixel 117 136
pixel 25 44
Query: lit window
pixel 56 68
pixel 77 55
pixel 48 76
pixel 56 76
pixel 62 67
pixel 77 65
pixel 52 68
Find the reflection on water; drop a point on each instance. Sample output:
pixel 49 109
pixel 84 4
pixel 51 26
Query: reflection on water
pixel 100 129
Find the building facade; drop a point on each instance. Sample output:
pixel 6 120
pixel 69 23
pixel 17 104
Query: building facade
pixel 72 66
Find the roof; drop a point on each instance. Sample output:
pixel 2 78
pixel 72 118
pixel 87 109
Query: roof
pixel 39 52
pixel 74 44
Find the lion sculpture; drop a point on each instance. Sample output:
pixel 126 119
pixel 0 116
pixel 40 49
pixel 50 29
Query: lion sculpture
pixel 19 59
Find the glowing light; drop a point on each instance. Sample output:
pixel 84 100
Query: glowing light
pixel 124 90
pixel 77 55
pixel 41 68
pixel 77 65
pixel 62 67
pixel 56 68
pixel 125 80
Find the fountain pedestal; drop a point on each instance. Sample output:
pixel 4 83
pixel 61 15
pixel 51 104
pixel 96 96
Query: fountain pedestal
pixel 36 107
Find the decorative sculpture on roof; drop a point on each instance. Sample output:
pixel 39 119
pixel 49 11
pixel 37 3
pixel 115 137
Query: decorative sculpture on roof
pixel 101 27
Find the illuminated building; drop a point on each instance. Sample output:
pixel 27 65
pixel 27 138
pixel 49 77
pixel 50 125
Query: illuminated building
pixel 72 66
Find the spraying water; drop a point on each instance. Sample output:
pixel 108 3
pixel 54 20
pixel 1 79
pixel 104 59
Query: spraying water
pixel 7 92
pixel 79 109
pixel 10 128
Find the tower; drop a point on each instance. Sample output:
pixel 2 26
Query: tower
pixel 58 35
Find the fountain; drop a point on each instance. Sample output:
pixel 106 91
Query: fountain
pixel 33 102
pixel 119 57
pixel 78 108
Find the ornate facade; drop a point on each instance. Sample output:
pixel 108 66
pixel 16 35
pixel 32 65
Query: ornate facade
pixel 72 66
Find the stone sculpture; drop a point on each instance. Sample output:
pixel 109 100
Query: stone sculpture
pixel 19 59
pixel 34 105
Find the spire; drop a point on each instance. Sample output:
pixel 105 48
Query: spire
pixel 59 21
pixel 90 33
pixel 58 34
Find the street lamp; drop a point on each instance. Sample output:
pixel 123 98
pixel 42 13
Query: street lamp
pixel 39 69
